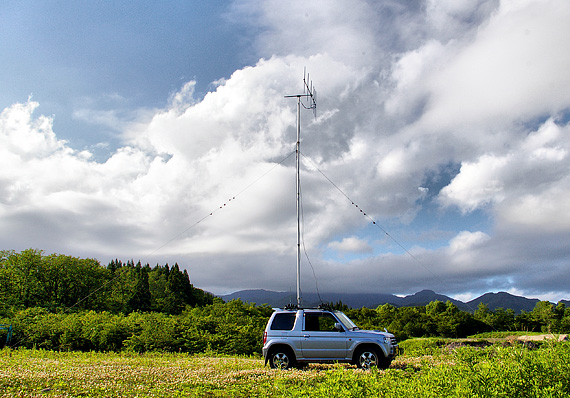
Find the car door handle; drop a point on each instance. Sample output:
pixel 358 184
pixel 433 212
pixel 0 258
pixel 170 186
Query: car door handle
pixel 306 336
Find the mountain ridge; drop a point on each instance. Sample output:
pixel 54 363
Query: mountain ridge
pixel 372 300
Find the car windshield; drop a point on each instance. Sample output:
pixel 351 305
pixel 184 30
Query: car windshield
pixel 345 320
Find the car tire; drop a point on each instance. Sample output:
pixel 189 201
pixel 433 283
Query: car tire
pixel 281 358
pixel 369 357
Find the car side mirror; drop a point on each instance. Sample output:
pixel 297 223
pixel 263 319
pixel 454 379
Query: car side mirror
pixel 338 327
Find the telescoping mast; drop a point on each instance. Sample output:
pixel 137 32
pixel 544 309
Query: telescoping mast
pixel 309 101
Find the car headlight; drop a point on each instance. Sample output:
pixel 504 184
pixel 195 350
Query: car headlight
pixel 387 340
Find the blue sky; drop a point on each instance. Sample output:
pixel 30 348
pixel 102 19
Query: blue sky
pixel 125 124
pixel 113 56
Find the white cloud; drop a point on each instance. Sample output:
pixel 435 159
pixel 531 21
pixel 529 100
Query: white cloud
pixel 405 94
pixel 477 184
pixel 45 179
pixel 545 210
pixel 23 138
pixel 467 240
pixel 351 244
pixel 450 18
pixel 339 28
pixel 512 70
pixel 527 186
pixel 409 74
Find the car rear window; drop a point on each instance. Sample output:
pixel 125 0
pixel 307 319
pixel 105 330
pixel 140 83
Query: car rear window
pixel 284 321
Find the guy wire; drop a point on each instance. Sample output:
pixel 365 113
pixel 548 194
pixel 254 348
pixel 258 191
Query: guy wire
pixel 370 218
pixel 190 227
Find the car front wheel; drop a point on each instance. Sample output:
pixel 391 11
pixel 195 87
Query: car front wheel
pixel 368 357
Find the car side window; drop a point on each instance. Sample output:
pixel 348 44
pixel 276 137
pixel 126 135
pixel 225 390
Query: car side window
pixel 320 322
pixel 284 321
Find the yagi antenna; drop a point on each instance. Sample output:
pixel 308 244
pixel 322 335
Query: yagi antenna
pixel 309 101
pixel 309 97
pixel 310 93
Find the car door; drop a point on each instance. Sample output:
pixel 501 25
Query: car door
pixel 320 339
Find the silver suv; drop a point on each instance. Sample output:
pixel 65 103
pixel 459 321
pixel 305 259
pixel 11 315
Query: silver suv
pixel 299 336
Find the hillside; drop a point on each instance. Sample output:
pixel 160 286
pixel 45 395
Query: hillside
pixel 504 300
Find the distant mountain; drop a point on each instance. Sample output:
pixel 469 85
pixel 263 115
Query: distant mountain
pixel 357 300
pixel 504 300
pixel 373 300
pixel 427 296
pixel 259 296
pixel 280 299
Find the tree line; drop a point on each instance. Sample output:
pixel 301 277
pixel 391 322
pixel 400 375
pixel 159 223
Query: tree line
pixel 236 328
pixel 64 283
pixel 233 328
pixel 66 303
pixel 439 319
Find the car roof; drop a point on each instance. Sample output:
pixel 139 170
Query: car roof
pixel 303 309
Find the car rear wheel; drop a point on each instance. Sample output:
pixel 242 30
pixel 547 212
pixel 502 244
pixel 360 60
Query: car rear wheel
pixel 281 358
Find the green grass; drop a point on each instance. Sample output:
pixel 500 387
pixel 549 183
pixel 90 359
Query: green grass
pixel 493 371
pixel 422 346
pixel 500 335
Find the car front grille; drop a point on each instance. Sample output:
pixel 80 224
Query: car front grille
pixel 393 346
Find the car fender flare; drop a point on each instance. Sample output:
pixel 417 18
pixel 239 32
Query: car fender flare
pixel 277 344
pixel 373 343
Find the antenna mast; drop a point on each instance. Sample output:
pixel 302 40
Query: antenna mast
pixel 309 101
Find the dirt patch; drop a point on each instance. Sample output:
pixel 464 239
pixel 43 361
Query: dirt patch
pixel 467 343
pixel 543 337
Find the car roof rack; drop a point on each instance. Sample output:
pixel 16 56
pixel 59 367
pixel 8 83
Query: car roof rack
pixel 322 306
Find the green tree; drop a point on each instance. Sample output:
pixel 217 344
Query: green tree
pixel 75 282
pixel 565 322
pixel 26 269
pixel 499 320
pixel 121 289
pixel 140 298
pixel 544 314
pixel 177 289
pixel 483 313
pixel 31 279
pixel 157 280
pixel 9 291
pixel 386 313
pixel 503 319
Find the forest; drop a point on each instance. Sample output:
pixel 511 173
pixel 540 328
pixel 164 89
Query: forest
pixel 63 283
pixel 65 303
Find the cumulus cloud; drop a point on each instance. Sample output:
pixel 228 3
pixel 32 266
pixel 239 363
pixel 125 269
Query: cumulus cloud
pixel 23 138
pixel 524 178
pixel 48 185
pixel 351 244
pixel 512 70
pixel 466 100
pixel 466 240
pixel 302 28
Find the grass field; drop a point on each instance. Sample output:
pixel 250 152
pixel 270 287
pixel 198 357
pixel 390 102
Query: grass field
pixel 494 371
